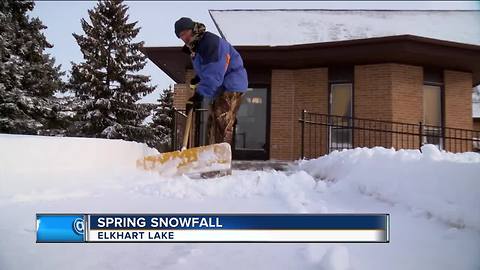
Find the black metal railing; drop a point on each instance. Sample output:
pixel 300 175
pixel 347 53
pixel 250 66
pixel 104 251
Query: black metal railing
pixel 323 133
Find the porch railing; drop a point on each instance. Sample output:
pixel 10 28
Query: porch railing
pixel 323 133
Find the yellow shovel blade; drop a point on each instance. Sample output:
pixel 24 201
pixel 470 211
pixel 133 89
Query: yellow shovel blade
pixel 215 157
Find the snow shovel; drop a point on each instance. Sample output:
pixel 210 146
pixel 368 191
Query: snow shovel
pixel 209 158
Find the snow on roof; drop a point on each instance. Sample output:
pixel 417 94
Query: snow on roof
pixel 288 27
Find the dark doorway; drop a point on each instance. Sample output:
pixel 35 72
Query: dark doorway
pixel 251 137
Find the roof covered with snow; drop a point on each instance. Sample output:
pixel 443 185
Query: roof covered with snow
pixel 288 27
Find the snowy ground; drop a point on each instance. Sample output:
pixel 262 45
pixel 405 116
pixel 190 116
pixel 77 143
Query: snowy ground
pixel 433 199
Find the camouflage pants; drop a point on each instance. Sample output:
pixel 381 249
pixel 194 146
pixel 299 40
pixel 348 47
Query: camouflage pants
pixel 221 120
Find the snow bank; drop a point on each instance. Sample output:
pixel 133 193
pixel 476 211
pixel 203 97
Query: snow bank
pixel 432 183
pixel 27 162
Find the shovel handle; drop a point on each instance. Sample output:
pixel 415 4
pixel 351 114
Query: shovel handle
pixel 188 126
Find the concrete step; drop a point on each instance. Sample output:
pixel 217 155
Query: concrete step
pixel 260 165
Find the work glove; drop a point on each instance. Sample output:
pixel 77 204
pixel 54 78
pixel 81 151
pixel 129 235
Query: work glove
pixel 194 82
pixel 186 50
pixel 195 102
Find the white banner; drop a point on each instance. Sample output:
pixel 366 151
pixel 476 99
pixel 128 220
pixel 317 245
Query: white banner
pixel 236 236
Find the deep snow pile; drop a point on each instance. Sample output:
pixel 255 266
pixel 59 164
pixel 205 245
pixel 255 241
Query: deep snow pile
pixel 444 185
pixel 29 163
pixel 40 174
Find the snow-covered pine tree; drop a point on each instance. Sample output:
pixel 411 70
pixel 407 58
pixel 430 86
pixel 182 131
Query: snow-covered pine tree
pixel 163 119
pixel 28 75
pixel 108 81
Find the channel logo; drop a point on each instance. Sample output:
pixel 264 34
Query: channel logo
pixel 78 226
pixel 60 228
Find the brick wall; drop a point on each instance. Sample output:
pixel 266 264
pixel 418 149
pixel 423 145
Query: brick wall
pixel 293 91
pixel 407 103
pixel 372 91
pixel 180 95
pixel 311 94
pixel 407 93
pixel 372 100
pixel 458 105
pixel 388 92
pixel 182 91
pixel 282 115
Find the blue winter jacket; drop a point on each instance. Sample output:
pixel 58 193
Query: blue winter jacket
pixel 219 67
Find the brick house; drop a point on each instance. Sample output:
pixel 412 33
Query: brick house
pixel 392 66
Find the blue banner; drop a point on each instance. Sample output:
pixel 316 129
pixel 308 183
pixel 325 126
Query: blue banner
pixel 54 228
pixel 239 221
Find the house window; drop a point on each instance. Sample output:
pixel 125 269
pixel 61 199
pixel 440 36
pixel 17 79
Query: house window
pixel 341 99
pixel 341 108
pixel 432 107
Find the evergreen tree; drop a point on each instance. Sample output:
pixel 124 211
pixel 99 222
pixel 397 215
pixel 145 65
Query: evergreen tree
pixel 162 120
pixel 28 76
pixel 107 81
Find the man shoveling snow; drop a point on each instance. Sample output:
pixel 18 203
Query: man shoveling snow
pixel 220 77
